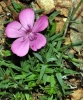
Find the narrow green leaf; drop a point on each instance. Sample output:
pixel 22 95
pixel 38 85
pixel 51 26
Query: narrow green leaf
pixel 17 77
pixel 31 77
pixel 49 70
pixel 42 71
pixel 18 7
pixel 6 53
pixel 44 78
pixel 59 59
pixel 59 78
pixel 55 36
pixel 52 59
pixel 31 84
pixel 58 45
pixel 52 81
pixel 53 28
pixel 28 97
pixel 77 63
pixel 1 72
pixel 49 53
pixel 39 11
pixel 11 9
pixel 68 71
pixel 10 65
pixel 50 98
pixel 53 15
pixel 38 56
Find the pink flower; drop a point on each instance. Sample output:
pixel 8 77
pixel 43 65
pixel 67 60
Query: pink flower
pixel 27 34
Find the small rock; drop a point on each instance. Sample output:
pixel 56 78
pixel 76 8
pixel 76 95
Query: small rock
pixel 35 6
pixel 47 5
pixel 77 94
pixel 60 23
pixel 63 6
pixel 76 35
pixel 3 4
pixel 1 9
pixel 59 26
pixel 63 3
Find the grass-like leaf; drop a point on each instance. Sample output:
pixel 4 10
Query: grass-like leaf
pixel 42 71
pixel 18 7
pixel 59 78
pixel 53 15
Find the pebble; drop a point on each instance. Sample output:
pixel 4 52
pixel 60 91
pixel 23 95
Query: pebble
pixel 47 5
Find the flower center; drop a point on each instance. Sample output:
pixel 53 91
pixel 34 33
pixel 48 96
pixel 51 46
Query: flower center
pixel 32 36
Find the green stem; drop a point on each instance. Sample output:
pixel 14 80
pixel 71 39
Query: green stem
pixel 76 8
pixel 72 59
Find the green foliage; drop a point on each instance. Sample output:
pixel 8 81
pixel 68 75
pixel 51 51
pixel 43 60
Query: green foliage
pixel 39 71
pixel 39 11
pixel 17 6
pixel 53 15
pixel 6 53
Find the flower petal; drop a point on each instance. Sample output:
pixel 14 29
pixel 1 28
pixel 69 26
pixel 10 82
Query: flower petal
pixel 26 18
pixel 40 24
pixel 20 47
pixel 14 30
pixel 38 43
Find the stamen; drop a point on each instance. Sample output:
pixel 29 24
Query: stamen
pixel 32 37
